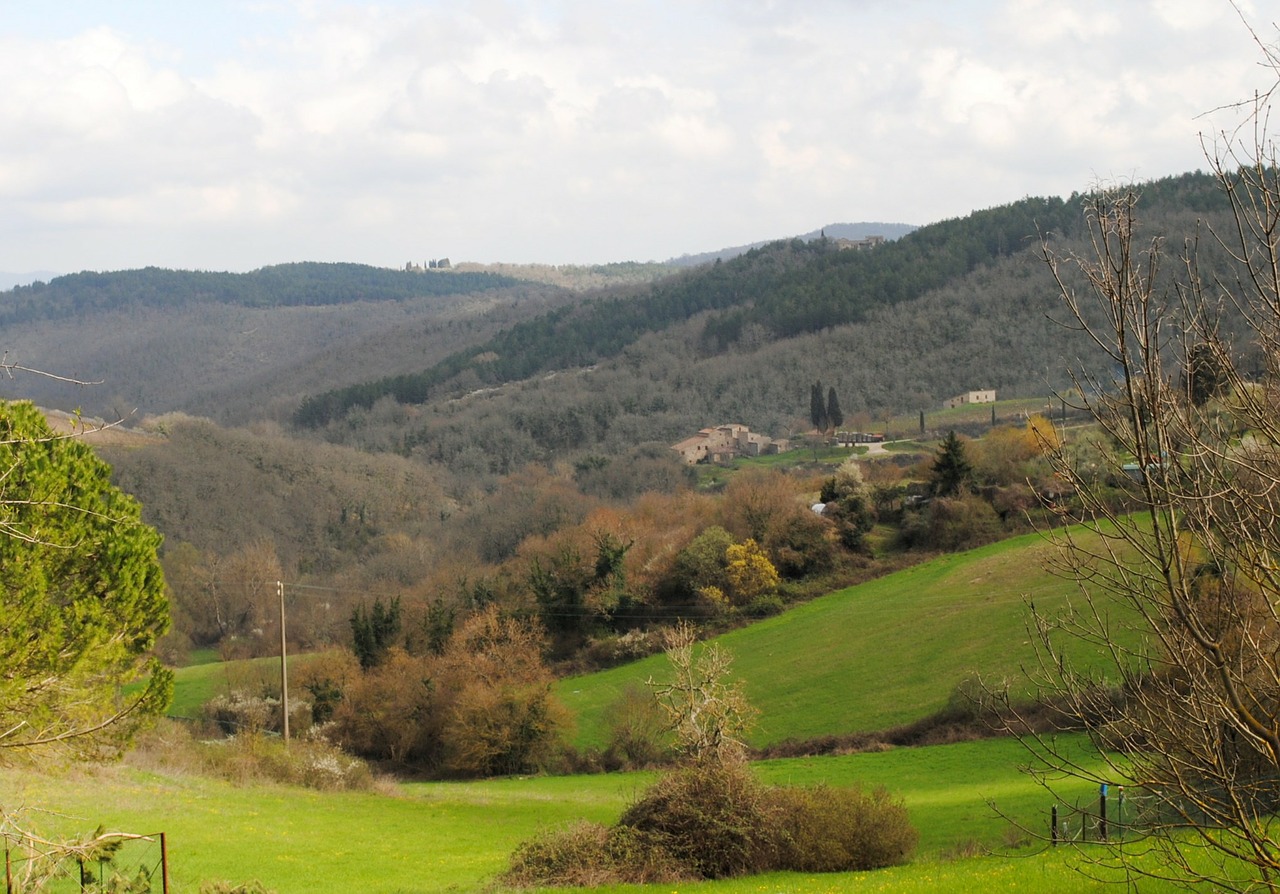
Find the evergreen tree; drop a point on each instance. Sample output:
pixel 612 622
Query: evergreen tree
pixel 817 409
pixel 83 596
pixel 373 632
pixel 951 470
pixel 835 418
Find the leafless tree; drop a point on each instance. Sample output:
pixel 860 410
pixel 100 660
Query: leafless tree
pixel 708 714
pixel 1178 607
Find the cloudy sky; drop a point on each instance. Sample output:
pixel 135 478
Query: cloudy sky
pixel 230 135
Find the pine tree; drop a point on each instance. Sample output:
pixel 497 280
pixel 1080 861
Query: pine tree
pixel 951 470
pixel 373 632
pixel 84 597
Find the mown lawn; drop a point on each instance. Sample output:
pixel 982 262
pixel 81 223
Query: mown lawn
pixel 420 838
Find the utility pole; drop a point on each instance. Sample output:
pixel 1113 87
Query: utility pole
pixel 284 670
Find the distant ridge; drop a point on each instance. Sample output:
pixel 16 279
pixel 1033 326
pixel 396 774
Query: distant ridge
pixel 9 280
pixel 862 230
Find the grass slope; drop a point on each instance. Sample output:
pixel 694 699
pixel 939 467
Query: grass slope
pixel 439 837
pixel 196 684
pixel 880 654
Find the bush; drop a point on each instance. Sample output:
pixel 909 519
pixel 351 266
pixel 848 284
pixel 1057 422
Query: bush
pixel 840 830
pixel 711 817
pixel 250 758
pixel 589 855
pixel 240 712
pixel 638 735
pixel 714 820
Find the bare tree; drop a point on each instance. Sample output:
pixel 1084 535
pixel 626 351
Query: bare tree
pixel 708 714
pixel 1179 576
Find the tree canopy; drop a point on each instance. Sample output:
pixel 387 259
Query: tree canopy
pixel 83 596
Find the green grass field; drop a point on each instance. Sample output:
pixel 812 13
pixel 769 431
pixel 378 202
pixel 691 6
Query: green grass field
pixel 442 837
pixel 886 652
pixel 882 653
pixel 196 683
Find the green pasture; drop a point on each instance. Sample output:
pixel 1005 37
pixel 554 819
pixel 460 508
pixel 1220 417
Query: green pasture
pixel 417 838
pixel 1010 411
pixel 196 684
pixel 876 655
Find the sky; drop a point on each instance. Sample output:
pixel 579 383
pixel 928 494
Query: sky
pixel 237 134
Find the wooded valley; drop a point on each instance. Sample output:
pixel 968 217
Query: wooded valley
pixel 448 440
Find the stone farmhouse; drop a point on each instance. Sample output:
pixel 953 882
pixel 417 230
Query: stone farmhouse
pixel 970 397
pixel 859 244
pixel 725 442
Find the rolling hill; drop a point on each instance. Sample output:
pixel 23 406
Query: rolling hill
pixel 877 655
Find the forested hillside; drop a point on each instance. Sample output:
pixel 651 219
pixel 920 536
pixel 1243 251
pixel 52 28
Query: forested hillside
pixel 962 304
pixel 283 285
pixel 510 445
pixel 782 291
pixel 238 347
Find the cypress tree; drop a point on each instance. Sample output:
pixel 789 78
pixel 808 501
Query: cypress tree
pixel 817 409
pixel 835 418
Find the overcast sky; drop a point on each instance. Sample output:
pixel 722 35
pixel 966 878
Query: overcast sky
pixel 231 135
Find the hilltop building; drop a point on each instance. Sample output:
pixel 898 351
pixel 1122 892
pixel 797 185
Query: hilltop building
pixel 970 397
pixel 725 442
pixel 859 244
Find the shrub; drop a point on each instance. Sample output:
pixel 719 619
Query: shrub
pixel 823 829
pixel 589 855
pixel 714 820
pixel 711 817
pixel 240 712
pixel 309 761
pixel 637 729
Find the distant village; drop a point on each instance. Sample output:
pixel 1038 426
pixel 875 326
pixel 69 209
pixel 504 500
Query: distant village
pixel 725 443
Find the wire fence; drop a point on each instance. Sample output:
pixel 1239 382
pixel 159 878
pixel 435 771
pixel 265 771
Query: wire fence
pixel 1118 814
pixel 108 863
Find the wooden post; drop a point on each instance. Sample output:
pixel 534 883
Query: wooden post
pixel 164 864
pixel 8 871
pixel 284 670
pixel 1053 825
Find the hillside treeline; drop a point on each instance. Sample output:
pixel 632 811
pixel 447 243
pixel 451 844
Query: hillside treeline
pixel 282 285
pixel 599 553
pixel 779 292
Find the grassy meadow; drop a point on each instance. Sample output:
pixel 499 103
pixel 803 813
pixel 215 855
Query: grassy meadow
pixel 420 838
pixel 885 652
pixel 876 655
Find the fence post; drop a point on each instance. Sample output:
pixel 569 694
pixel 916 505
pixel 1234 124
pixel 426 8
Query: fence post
pixel 1120 810
pixel 8 869
pixel 164 864
pixel 1102 812
pixel 1053 825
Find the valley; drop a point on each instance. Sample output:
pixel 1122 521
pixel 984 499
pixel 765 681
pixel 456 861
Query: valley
pixel 459 488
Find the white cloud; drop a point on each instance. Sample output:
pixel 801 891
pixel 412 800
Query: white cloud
pixel 576 131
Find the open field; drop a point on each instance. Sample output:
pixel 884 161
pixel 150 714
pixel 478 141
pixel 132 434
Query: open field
pixel 879 654
pixel 418 838
pixel 195 684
